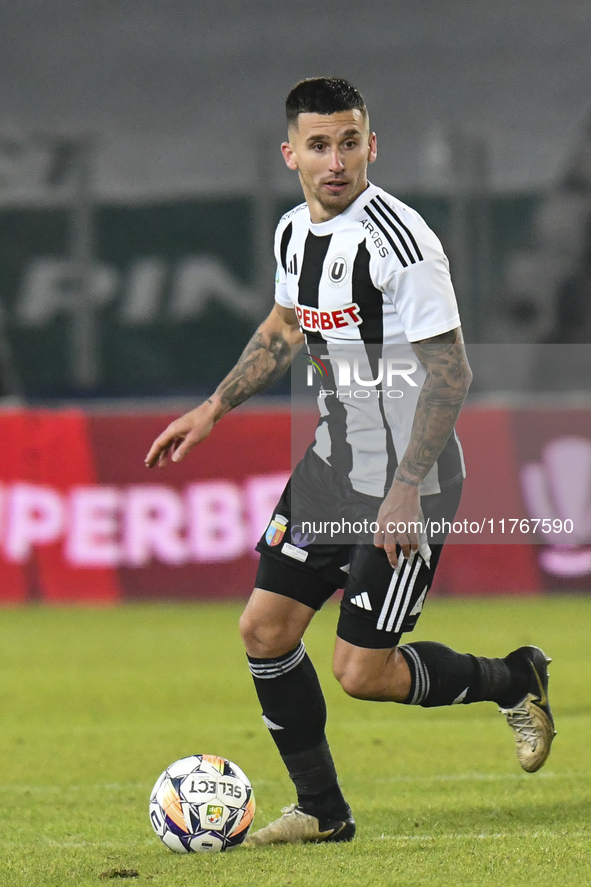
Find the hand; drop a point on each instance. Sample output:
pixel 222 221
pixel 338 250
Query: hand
pixel 400 512
pixel 182 435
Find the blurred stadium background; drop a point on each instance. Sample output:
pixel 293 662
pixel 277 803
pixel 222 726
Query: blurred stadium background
pixel 140 182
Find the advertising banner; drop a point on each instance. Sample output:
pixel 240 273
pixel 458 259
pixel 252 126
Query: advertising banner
pixel 171 289
pixel 83 520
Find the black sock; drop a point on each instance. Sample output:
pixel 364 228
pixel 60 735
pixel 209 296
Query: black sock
pixel 314 776
pixel 294 711
pixel 440 676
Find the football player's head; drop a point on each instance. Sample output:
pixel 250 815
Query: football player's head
pixel 329 143
pixel 323 95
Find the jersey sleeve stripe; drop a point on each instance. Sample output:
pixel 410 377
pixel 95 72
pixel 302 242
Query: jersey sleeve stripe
pixel 387 235
pixel 399 234
pixel 391 212
pixel 285 238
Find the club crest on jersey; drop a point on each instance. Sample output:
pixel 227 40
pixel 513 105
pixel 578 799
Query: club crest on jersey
pixel 339 270
pixel 276 530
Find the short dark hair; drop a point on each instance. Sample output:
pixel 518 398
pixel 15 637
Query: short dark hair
pixel 323 95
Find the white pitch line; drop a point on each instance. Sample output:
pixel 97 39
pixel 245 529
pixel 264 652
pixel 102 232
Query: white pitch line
pixel 101 786
pixel 145 786
pixel 446 836
pixel 480 777
pixel 112 845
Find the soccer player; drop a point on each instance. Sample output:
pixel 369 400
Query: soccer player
pixel 358 269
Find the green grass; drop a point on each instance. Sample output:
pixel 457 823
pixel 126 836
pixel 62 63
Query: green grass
pixel 95 703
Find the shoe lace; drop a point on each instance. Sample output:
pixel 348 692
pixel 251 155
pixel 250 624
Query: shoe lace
pixel 291 809
pixel 521 721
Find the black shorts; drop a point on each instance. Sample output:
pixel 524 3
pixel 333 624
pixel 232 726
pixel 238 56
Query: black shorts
pixel 379 604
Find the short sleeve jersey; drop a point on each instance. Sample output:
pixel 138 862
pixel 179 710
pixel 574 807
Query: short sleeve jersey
pixel 373 278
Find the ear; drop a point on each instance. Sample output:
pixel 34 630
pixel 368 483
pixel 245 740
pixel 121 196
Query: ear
pixel 372 151
pixel 289 155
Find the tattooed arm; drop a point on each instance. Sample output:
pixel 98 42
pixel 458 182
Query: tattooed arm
pixel 263 362
pixel 440 401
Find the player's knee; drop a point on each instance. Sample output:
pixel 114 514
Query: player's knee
pixel 256 635
pixel 380 675
pixel 264 639
pixel 353 681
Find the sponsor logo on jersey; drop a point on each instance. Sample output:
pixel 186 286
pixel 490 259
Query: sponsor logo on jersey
pixel 293 212
pixel 292 268
pixel 375 237
pixel 362 601
pixel 300 539
pixel 312 319
pixel 291 551
pixel 276 530
pixel 339 270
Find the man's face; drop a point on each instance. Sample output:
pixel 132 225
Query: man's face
pixel 330 153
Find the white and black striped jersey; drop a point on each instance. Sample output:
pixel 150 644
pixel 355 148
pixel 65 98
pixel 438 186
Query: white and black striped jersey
pixel 365 285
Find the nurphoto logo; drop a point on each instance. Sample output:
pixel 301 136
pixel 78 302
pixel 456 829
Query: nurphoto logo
pixel 315 366
pixel 350 373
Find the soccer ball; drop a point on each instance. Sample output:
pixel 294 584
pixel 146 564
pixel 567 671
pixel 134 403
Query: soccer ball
pixel 202 803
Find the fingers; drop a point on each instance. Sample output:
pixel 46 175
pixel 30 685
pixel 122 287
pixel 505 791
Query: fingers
pixel 180 448
pixel 157 455
pixel 396 540
pixel 171 445
pixel 164 446
pixel 181 436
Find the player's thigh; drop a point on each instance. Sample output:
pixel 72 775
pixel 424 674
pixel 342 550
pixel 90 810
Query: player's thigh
pixel 273 624
pixel 381 604
pixel 285 600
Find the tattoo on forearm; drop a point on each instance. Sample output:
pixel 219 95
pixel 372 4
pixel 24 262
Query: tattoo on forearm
pixel 401 476
pixel 439 404
pixel 441 341
pixel 263 362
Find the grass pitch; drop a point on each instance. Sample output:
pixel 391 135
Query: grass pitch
pixel 95 704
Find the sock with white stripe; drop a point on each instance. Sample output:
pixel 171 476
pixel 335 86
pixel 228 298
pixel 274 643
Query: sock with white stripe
pixel 440 676
pixel 294 711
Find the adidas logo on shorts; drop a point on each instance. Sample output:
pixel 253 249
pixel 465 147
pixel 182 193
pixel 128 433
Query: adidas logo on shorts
pixel 362 600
